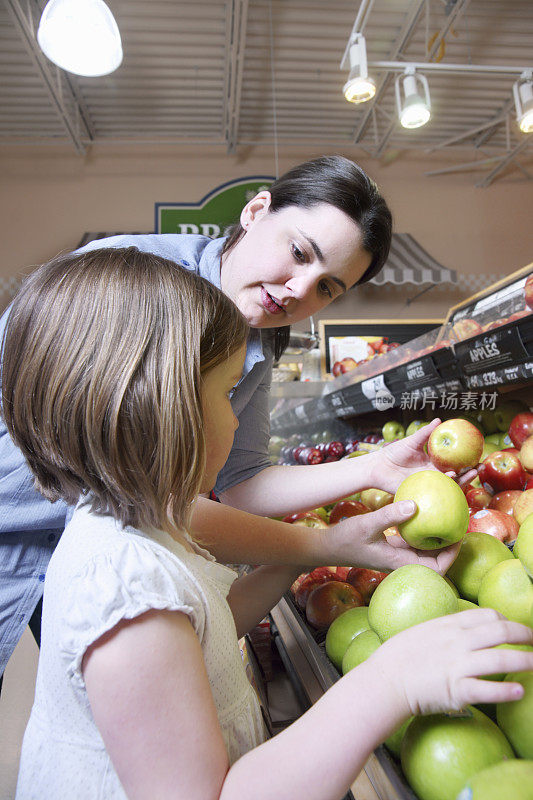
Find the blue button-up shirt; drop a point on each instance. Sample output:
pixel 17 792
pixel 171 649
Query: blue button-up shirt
pixel 30 526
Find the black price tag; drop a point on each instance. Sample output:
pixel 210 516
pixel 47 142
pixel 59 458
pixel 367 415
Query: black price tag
pixel 495 350
pixel 418 373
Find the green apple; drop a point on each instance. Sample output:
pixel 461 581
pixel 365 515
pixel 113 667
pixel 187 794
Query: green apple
pixel 523 547
pixel 342 630
pixel 392 430
pixel 494 438
pixel 450 583
pixel 512 779
pixel 465 605
pixel 488 448
pixel 507 588
pixel 415 426
pixel 505 412
pixel 516 718
pixel 409 595
pixel 441 752
pixel 479 552
pixel 322 513
pixel 359 650
pixel 394 741
pixel 442 513
pixel 488 421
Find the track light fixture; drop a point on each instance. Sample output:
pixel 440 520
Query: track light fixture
pixel 414 110
pixel 523 100
pixel 80 36
pixel 359 87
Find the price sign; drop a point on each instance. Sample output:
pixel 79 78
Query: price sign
pixel 495 350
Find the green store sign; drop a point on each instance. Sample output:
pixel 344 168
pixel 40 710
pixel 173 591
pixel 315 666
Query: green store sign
pixel 215 212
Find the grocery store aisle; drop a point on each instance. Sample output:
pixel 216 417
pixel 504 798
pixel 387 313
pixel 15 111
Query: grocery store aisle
pixel 15 705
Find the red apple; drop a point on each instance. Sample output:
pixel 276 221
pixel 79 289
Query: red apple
pixel 365 581
pixel 455 445
pixel 310 455
pixel 526 454
pixel 523 506
pixel 342 573
pixel 502 470
pixel 346 508
pixel 337 369
pixel 372 438
pixel 466 328
pixel 478 498
pixel 328 601
pixel 334 450
pixel 495 523
pixel 529 483
pixel 520 428
pixel 307 519
pixel 315 578
pixel 528 291
pixel 505 501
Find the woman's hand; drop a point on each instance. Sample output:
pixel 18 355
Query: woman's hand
pixel 436 666
pixel 400 459
pixel 360 540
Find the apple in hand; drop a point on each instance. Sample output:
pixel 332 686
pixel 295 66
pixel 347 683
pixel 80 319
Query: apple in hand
pixel 376 498
pixel 393 430
pixel 409 595
pixel 496 523
pixel 478 498
pixel 441 752
pixel 342 630
pixel 479 552
pixel 328 601
pixel 502 470
pixel 365 581
pixel 442 515
pixel 507 588
pixel 516 718
pixel 455 445
pixel 307 519
pixel 359 649
pixel 505 501
pixel 520 428
pixel 346 508
pixel 523 547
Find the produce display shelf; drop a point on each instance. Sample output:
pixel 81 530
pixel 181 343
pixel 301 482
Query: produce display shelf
pixel 381 777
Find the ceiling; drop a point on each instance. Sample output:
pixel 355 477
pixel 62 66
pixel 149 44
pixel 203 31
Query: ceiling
pixel 247 72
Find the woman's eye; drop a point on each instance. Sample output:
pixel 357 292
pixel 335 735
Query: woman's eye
pixel 324 289
pixel 298 254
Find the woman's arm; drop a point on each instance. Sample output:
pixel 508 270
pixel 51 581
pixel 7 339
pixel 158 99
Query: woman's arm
pixel 151 700
pixel 252 596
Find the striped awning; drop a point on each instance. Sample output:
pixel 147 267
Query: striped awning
pixel 408 262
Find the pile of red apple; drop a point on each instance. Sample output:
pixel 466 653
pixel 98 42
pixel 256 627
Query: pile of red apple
pixel 307 452
pixel 377 347
pixel 467 327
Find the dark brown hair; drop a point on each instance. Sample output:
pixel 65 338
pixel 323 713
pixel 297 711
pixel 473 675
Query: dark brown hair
pixel 101 380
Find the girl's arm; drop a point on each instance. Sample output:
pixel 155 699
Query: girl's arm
pixel 279 490
pixel 151 700
pixel 252 596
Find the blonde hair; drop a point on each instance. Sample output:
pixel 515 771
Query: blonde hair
pixel 103 359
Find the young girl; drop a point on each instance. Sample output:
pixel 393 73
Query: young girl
pixel 117 376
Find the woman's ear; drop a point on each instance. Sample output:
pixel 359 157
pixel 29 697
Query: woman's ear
pixel 256 208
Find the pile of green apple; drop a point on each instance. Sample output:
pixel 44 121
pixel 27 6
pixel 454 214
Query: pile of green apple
pixel 440 754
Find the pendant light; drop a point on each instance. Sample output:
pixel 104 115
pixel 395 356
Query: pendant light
pixel 80 36
pixel 523 100
pixel 359 88
pixel 414 110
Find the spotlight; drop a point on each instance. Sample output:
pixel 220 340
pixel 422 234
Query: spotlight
pixel 80 36
pixel 523 100
pixel 414 110
pixel 359 87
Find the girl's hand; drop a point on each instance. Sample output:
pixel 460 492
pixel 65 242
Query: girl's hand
pixel 360 540
pixel 400 459
pixel 435 666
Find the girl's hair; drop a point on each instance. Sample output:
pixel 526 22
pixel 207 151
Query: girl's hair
pixel 339 182
pixel 103 359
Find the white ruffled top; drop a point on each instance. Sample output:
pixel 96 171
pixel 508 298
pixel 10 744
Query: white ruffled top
pixel 101 573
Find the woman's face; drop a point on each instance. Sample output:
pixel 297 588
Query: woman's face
pixel 291 263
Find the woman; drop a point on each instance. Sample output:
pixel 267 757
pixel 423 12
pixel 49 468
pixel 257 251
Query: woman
pixel 321 228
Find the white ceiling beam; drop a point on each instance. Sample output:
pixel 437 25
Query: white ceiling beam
pixel 60 89
pixel 503 163
pixel 235 52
